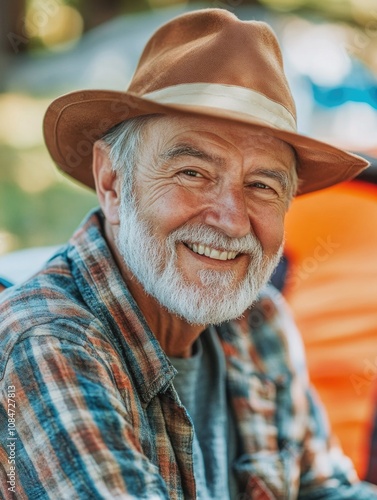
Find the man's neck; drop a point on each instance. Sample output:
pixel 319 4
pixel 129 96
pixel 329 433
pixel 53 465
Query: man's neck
pixel 174 334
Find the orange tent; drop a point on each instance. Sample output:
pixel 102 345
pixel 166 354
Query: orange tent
pixel 331 245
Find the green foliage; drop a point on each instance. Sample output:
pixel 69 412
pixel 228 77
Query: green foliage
pixel 40 218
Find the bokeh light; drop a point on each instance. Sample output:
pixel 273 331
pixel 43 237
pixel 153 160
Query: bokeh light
pixel 8 242
pixel 320 54
pixel 33 172
pixel 21 120
pixel 155 4
pixel 283 5
pixel 56 25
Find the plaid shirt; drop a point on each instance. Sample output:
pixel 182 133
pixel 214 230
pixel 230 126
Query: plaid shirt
pixel 88 409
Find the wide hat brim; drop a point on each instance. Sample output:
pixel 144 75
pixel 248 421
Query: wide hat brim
pixel 74 121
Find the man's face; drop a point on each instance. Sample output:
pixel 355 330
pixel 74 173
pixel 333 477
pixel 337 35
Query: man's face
pixel 205 228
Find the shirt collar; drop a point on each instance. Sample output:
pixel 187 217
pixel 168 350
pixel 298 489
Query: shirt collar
pixel 106 293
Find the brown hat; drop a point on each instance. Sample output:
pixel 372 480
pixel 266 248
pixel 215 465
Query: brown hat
pixel 208 63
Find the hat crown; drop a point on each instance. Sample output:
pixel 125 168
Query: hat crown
pixel 213 46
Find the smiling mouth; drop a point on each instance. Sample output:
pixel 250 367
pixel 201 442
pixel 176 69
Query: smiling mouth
pixel 212 253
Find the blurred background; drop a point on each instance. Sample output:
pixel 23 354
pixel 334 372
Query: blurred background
pixel 50 47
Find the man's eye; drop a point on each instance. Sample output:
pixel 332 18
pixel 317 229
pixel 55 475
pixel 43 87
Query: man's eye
pixel 192 173
pixel 260 185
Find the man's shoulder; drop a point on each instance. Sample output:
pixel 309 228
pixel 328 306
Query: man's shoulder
pixel 48 302
pixel 49 291
pixel 267 333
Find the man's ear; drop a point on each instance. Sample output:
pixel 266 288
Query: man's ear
pixel 107 182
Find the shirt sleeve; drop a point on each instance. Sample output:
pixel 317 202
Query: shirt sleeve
pixel 325 471
pixel 73 433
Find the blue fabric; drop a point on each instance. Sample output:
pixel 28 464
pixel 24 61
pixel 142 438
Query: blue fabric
pixel 5 283
pixel 201 386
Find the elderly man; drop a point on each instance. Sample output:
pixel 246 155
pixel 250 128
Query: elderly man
pixel 147 360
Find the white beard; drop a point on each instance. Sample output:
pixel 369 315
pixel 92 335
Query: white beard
pixel 154 265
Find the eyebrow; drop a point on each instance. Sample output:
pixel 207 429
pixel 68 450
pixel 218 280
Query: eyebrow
pixel 278 175
pixel 184 149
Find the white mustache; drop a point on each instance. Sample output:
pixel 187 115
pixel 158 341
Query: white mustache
pixel 209 236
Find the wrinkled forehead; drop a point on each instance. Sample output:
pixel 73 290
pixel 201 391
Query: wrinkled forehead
pixel 179 127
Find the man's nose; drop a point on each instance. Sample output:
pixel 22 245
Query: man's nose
pixel 229 213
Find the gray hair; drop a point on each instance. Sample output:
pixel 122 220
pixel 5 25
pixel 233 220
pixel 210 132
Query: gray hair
pixel 124 141
pixel 293 177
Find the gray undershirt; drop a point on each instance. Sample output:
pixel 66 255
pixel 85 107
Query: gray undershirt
pixel 201 386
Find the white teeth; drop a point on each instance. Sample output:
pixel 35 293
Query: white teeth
pixel 224 255
pixel 215 254
pixel 212 253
